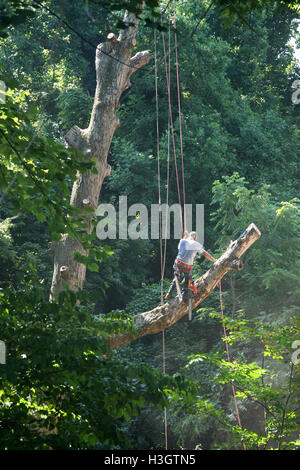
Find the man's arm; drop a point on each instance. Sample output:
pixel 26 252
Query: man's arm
pixel 198 247
pixel 208 256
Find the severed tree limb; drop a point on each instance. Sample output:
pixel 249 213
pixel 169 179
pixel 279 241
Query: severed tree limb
pixel 166 315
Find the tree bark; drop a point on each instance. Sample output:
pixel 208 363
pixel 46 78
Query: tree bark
pixel 166 315
pixel 114 67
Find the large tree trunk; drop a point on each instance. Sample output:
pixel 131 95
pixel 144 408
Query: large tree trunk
pixel 114 66
pixel 166 315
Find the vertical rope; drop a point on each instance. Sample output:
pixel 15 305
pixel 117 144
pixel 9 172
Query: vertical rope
pixel 168 160
pixel 179 110
pixel 168 144
pixel 162 258
pixel 158 162
pixel 172 126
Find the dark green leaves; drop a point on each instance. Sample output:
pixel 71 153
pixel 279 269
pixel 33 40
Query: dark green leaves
pixel 12 13
pixel 57 377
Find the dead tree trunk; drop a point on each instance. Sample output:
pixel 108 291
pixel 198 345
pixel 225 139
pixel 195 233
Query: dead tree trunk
pixel 166 315
pixel 114 67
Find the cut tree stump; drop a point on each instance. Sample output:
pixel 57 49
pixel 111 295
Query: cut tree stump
pixel 166 315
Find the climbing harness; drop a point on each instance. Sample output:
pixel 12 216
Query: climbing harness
pixel 190 290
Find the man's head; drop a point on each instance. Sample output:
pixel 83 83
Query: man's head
pixel 193 235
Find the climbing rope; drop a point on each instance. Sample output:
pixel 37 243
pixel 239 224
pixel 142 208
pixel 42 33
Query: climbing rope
pixel 162 255
pixel 171 124
pixel 179 109
pixel 183 222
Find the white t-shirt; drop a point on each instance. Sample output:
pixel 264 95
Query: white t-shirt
pixel 188 249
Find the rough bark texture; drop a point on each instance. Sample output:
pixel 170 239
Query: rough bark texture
pixel 166 315
pixel 114 67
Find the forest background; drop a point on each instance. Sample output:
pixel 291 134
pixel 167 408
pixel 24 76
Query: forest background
pixel 240 125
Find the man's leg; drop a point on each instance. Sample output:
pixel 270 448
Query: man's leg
pixel 172 288
pixel 185 291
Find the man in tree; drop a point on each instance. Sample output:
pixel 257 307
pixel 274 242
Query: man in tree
pixel 188 248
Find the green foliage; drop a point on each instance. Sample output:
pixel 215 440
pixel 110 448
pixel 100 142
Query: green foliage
pixel 24 253
pixel 57 387
pixel 273 263
pixel 146 298
pixel 241 143
pixel 37 171
pixel 12 13
pixel 263 324
pixel 74 108
pixel 258 384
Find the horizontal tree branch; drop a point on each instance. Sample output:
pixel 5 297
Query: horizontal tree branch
pixel 166 315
